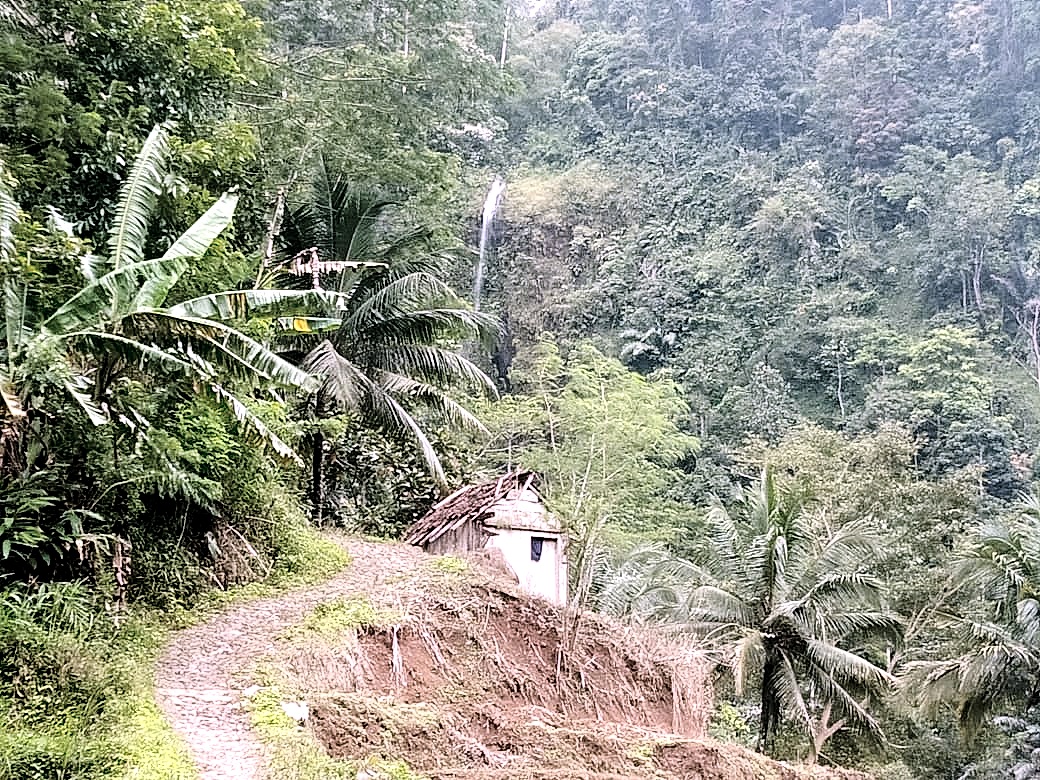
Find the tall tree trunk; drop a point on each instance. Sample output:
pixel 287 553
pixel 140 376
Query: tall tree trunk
pixel 823 731
pixel 317 477
pixel 768 714
pixel 976 283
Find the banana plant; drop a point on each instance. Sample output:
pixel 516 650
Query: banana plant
pixel 119 319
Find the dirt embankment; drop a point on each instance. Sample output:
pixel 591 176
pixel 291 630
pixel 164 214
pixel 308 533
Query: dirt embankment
pixel 461 676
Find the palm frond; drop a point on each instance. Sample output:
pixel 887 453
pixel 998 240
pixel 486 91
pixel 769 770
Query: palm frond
pixel 785 684
pixel 847 624
pixel 400 295
pixel 998 563
pixel 830 691
pixel 137 199
pixel 338 378
pixel 747 654
pixel 398 421
pixel 351 387
pixel 846 667
pixel 836 588
pixel 196 240
pixel 712 604
pixel 433 365
pixel 401 262
pixel 430 325
pixel 433 398
pixel 853 545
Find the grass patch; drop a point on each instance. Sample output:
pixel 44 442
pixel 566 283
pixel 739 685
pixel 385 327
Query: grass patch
pixel 295 752
pixel 306 557
pixel 449 564
pixel 147 747
pixel 98 719
pixel 331 619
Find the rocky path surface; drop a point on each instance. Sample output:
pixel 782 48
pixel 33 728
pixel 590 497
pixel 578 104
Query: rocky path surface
pixel 200 676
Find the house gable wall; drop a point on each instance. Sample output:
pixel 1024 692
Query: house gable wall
pixel 546 577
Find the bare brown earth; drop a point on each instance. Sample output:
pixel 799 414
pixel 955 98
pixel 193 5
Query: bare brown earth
pixel 452 670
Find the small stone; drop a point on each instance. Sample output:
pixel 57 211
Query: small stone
pixel 297 710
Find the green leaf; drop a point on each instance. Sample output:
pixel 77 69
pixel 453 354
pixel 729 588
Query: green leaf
pixel 6 549
pixel 196 240
pixel 137 199
pixel 116 294
pixel 243 304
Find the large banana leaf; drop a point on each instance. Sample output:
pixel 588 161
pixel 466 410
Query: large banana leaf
pixel 129 349
pixel 215 340
pixel 8 218
pixel 308 325
pixel 245 416
pixel 243 304
pixel 79 390
pixel 196 240
pixel 137 199
pixel 115 295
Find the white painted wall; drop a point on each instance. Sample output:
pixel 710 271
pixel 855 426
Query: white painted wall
pixel 546 577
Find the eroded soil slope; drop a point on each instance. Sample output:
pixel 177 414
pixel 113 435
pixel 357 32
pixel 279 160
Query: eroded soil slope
pixel 450 669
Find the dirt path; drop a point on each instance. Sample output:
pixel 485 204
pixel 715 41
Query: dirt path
pixel 198 679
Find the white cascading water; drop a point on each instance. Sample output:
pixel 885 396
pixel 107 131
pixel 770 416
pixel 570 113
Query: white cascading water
pixel 491 204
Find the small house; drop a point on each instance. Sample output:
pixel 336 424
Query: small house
pixel 507 514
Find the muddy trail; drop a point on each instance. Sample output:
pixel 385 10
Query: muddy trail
pixel 443 664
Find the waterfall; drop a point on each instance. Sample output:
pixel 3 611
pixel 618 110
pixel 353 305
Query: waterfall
pixel 491 203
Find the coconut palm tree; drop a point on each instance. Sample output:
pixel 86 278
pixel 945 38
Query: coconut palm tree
pixel 119 319
pixel 787 602
pixel 384 348
pixel 1001 660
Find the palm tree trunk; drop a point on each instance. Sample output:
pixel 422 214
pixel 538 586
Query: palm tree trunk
pixel 317 477
pixel 768 712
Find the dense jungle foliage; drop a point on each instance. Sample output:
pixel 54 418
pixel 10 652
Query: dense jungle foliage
pixel 762 304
